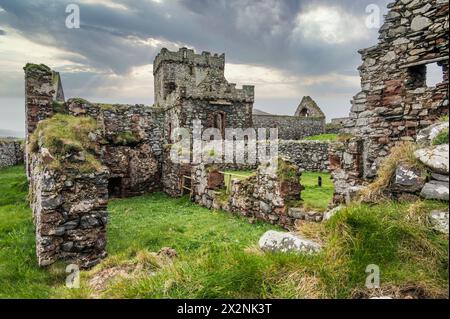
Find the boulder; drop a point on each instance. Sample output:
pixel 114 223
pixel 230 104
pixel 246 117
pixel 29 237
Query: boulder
pixel 435 190
pixel 426 135
pixel 407 179
pixel 439 221
pixel 287 242
pixel 436 158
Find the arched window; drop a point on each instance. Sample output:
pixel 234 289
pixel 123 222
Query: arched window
pixel 304 112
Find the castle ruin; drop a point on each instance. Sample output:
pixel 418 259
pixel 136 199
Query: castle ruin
pixel 113 150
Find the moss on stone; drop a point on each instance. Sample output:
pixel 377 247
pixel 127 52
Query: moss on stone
pixel 36 67
pixel 79 100
pixel 125 138
pixel 59 107
pixel 287 171
pixel 344 137
pixel 441 138
pixel 64 136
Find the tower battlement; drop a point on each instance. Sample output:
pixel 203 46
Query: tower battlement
pixel 189 57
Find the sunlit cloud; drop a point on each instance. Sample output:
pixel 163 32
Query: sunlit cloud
pixel 330 25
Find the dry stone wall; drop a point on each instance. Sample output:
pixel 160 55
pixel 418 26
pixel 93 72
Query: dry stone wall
pixel 70 214
pixel 312 156
pixel 291 127
pixel 11 152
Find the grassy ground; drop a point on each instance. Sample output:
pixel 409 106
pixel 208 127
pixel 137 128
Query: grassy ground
pixel 217 254
pixel 322 137
pixel 316 197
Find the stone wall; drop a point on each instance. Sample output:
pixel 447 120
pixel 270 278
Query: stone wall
pixel 291 127
pixel 11 152
pixel 309 156
pixel 69 210
pixel 346 165
pixel 395 101
pixel 266 196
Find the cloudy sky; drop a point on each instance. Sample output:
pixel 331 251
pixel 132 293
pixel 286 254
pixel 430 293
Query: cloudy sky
pixel 288 49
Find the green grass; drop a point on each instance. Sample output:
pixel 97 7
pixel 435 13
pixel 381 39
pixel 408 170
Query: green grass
pixel 441 138
pixel 315 197
pixel 65 135
pixel 19 275
pixel 322 137
pixel 238 175
pixel 217 255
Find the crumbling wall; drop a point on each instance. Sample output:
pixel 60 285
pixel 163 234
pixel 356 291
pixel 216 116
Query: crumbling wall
pixel 291 127
pixel 347 169
pixel 11 152
pixel 131 145
pixel 70 214
pixel 42 88
pixel 395 101
pixel 266 195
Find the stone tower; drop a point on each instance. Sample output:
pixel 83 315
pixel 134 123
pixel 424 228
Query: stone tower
pixel 188 87
pixel 193 86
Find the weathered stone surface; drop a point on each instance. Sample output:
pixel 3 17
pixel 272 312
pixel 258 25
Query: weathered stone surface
pixel 439 220
pixel 305 214
pixel 407 179
pixel 435 190
pixel 426 135
pixel 420 22
pixel 287 242
pixel 440 177
pixel 436 158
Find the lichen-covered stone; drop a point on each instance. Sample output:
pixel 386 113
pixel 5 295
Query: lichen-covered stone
pixel 435 157
pixel 435 190
pixel 274 241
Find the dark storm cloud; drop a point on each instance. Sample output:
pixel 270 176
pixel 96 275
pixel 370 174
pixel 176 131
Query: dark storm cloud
pixel 2 32
pixel 253 32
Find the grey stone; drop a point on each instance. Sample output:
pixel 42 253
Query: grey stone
pixel 435 190
pixel 407 179
pixel 51 202
pixel 439 221
pixel 435 157
pixel 440 177
pixel 287 242
pixel 419 23
pixel 265 207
